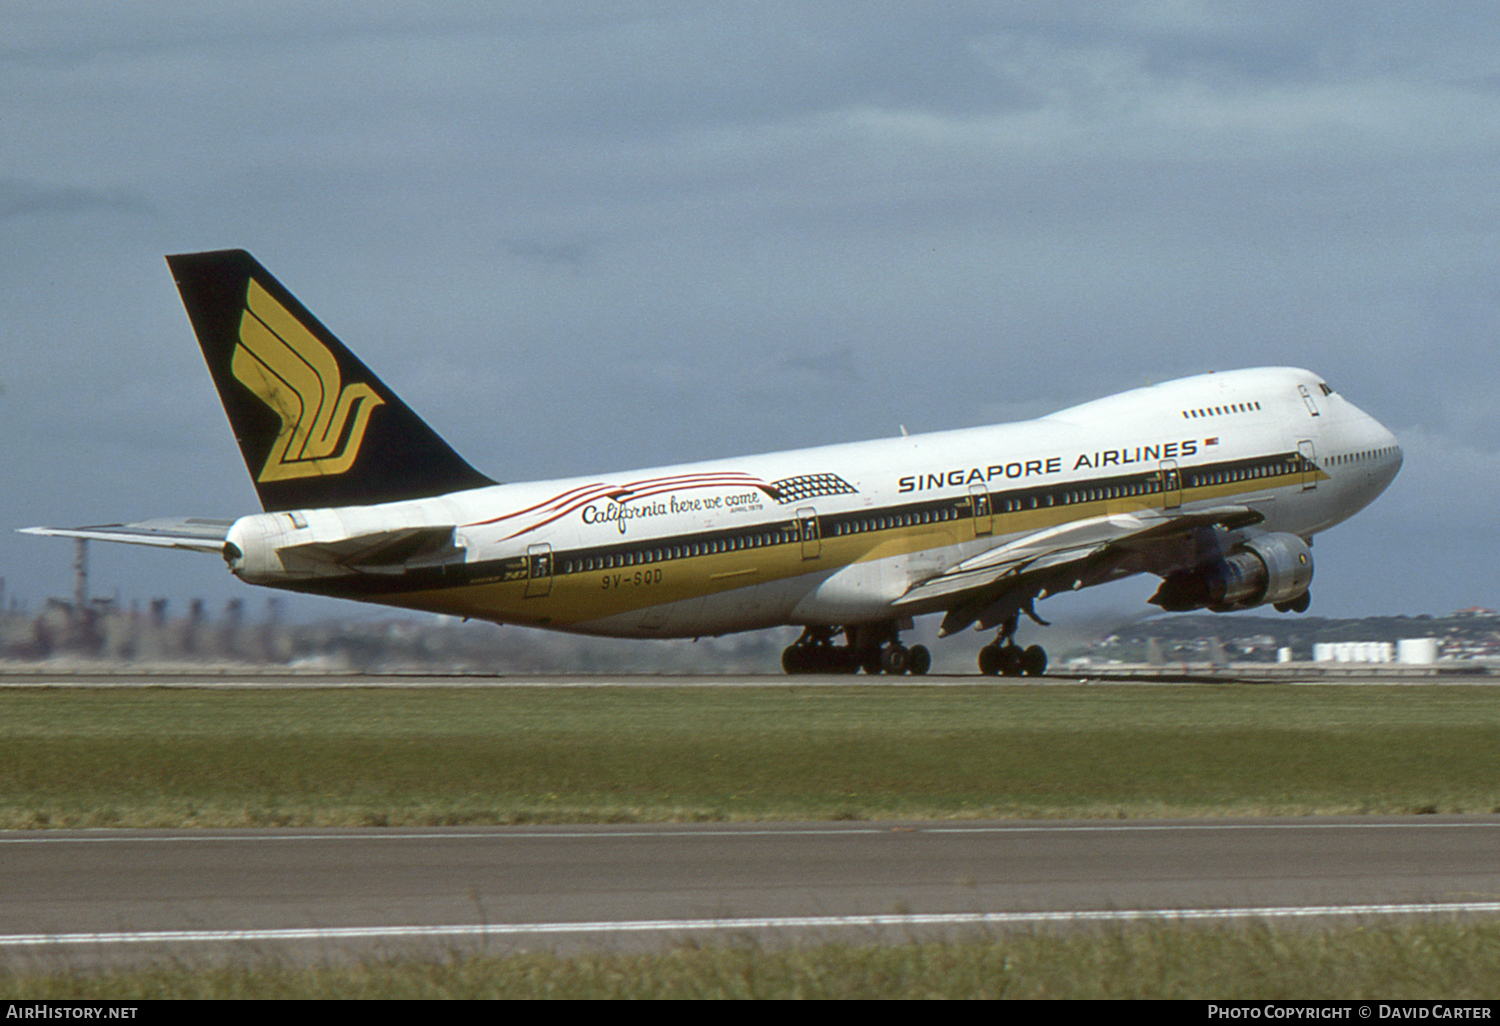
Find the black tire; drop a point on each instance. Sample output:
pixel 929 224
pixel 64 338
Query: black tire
pixel 1034 660
pixel 918 661
pixel 1011 661
pixel 990 662
pixel 893 659
pixel 791 660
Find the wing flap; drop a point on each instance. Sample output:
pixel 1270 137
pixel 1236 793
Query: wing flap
pixel 196 534
pixel 1026 563
pixel 959 581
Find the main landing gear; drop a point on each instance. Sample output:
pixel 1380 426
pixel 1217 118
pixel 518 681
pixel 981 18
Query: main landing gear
pixel 1003 657
pixel 874 648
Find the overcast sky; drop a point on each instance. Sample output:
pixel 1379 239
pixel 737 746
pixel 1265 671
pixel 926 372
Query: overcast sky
pixel 581 237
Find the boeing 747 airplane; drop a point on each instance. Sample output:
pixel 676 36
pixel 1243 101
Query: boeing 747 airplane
pixel 1215 483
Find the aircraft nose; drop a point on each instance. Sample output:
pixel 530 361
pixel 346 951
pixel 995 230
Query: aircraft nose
pixel 1388 440
pixel 1389 456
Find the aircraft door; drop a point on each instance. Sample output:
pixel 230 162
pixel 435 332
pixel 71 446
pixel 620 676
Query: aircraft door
pixel 1171 484
pixel 807 528
pixel 984 521
pixel 538 570
pixel 1309 466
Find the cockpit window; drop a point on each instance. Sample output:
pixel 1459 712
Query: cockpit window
pixel 1324 386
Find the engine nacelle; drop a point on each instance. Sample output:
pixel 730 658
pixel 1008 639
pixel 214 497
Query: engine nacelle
pixel 1269 568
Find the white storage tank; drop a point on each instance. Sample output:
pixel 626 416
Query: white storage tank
pixel 1417 651
pixel 1353 652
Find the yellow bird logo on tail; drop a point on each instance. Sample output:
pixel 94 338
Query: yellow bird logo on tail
pixel 293 373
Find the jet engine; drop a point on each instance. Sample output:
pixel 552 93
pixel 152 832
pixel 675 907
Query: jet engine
pixel 1273 568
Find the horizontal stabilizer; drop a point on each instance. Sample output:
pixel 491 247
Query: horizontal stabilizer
pixel 199 534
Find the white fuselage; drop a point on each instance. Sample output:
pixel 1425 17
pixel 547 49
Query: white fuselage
pixel 837 535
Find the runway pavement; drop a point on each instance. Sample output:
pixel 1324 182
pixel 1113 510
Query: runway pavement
pixel 82 897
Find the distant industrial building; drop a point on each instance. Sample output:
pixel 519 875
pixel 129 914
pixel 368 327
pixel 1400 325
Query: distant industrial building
pixel 1408 651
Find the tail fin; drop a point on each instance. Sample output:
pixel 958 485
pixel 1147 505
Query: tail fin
pixel 315 426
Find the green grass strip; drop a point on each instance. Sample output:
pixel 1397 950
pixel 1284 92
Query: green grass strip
pixel 1445 961
pixel 162 757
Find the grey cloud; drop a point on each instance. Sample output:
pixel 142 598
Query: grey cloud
pixel 19 198
pixel 984 211
pixel 573 254
pixel 836 366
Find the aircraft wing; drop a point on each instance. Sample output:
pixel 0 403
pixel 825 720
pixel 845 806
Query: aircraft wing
pixel 198 534
pixel 995 584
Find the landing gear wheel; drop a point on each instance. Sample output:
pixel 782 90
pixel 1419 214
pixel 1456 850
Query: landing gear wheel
pixel 1002 660
pixel 918 660
pixel 990 661
pixel 1034 661
pixel 893 659
pixel 791 660
pixel 1011 662
pixel 1004 656
pixel 873 648
pixel 815 652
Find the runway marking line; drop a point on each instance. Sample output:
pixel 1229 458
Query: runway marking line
pixel 751 923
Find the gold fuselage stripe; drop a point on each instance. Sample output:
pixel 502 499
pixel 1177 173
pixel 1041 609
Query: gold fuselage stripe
pixel 577 596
